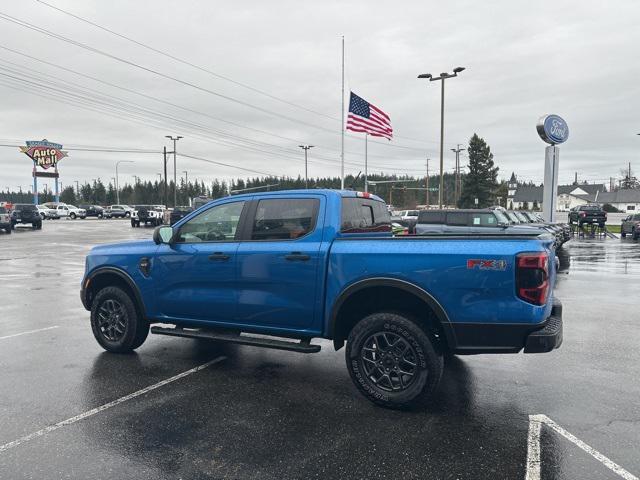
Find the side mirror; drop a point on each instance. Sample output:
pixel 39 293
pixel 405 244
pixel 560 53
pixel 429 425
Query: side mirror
pixel 163 234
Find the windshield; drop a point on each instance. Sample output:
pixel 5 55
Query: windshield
pixel 513 218
pixel 26 207
pixel 502 218
pixel 521 217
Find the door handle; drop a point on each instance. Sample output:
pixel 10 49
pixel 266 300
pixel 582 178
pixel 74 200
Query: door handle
pixel 219 256
pixel 297 257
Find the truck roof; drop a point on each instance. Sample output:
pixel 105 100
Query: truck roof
pixel 326 191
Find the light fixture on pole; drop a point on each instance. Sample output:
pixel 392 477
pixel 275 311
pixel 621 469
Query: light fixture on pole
pixel 306 177
pixel 175 178
pixel 117 178
pixel 443 76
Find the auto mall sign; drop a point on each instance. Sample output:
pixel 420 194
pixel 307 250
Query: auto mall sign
pixel 44 153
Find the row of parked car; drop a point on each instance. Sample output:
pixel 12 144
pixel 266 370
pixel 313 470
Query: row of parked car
pixel 477 221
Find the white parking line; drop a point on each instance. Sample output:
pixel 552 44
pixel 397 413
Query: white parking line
pixel 30 331
pixel 106 406
pixel 533 449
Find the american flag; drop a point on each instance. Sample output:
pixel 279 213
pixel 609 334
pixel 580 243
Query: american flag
pixel 367 118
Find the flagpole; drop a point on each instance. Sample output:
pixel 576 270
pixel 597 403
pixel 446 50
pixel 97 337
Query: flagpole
pixel 366 181
pixel 342 124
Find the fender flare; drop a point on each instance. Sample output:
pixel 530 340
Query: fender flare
pixel 436 307
pixel 122 275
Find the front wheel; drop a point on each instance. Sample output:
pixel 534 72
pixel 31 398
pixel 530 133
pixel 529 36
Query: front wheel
pixel 635 234
pixel 115 322
pixel 392 360
pixel 72 216
pixel 623 234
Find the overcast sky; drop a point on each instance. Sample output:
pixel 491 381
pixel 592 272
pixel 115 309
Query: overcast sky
pixel 523 59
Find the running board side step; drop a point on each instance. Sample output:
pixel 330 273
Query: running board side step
pixel 304 346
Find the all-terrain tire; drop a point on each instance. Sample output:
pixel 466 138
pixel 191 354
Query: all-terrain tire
pixel 400 346
pixel 132 329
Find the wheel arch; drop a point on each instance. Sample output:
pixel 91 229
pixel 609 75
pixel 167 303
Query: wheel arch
pixel 111 277
pixel 347 308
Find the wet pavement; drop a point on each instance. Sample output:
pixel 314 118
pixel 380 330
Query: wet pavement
pixel 265 414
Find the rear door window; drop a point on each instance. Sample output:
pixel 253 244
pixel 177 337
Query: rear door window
pixel 483 219
pixel 284 219
pixel 361 215
pixel 457 219
pixel 427 216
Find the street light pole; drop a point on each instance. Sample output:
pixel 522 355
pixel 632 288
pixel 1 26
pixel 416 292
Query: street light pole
pixel 306 177
pixel 443 76
pixel 175 178
pixel 118 179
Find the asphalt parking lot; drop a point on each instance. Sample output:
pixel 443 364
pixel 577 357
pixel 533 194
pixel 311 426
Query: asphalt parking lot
pixel 70 410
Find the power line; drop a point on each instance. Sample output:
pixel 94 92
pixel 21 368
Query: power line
pixel 141 111
pixel 185 62
pixel 202 69
pixel 159 100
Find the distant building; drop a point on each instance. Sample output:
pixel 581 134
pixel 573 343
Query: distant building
pixel 627 201
pixel 569 196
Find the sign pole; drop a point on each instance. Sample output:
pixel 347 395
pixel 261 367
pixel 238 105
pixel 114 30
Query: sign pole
pixel 552 130
pixel 550 192
pixel 35 185
pixel 57 187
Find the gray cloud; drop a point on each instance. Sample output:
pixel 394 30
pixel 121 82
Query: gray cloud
pixel 523 60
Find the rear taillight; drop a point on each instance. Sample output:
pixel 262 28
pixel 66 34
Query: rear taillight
pixel 583 214
pixel 532 277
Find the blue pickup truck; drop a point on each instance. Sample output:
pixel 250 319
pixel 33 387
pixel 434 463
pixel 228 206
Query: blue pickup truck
pixel 278 269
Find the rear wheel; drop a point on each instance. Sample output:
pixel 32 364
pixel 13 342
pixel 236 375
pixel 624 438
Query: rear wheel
pixel 392 360
pixel 623 234
pixel 8 229
pixel 115 322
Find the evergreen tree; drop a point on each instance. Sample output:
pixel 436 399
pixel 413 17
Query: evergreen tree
pixel 68 195
pixel 481 180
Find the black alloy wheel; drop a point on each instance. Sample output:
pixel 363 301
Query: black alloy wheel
pixel 112 320
pixel 393 360
pixel 389 361
pixel 116 323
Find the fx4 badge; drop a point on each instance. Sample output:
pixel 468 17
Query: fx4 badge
pixel 486 264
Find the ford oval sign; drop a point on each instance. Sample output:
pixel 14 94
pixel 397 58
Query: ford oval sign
pixel 553 129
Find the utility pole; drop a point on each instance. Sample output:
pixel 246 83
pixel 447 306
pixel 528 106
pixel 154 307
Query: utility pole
pixel 164 194
pixel 77 189
pixel 426 181
pixel 306 178
pixel 458 183
pixel 443 76
pixel 175 176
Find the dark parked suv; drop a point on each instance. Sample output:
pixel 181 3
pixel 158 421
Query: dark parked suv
pixel 470 222
pixel 93 210
pixel 26 213
pixel 631 226
pixel 589 214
